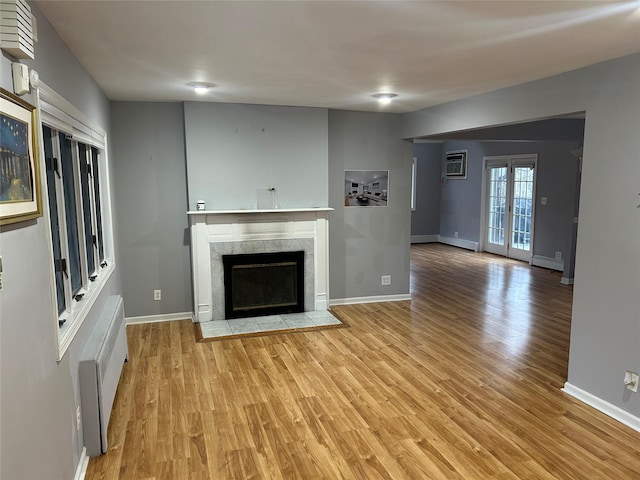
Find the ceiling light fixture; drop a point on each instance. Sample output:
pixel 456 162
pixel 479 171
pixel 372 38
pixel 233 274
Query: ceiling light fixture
pixel 201 87
pixel 384 98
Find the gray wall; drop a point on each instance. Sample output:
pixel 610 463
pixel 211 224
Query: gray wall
pixel 38 396
pixel 367 242
pixel 556 180
pixel 425 219
pixel 460 198
pixel 151 198
pixel 233 149
pixel 605 330
pixel 557 174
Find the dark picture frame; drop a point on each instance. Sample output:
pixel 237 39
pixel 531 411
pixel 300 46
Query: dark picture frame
pixel 20 191
pixel 366 188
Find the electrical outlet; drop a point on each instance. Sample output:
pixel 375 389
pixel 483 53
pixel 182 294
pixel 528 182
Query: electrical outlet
pixel 78 418
pixel 558 255
pixel 157 294
pixel 543 200
pixel 631 380
pixel 385 280
pixel 455 234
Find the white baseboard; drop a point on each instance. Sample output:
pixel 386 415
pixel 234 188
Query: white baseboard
pixel 603 406
pixel 373 299
pixel 459 242
pixel 566 281
pixel 165 317
pixel 81 470
pixel 424 238
pixel 547 262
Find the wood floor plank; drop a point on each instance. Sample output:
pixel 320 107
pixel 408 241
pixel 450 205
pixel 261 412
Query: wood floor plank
pixel 460 383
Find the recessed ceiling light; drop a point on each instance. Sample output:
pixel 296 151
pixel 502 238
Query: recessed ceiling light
pixel 201 87
pixel 384 98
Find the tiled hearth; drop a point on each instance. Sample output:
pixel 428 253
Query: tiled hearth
pixel 272 323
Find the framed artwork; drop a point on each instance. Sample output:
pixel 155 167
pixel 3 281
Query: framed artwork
pixel 20 196
pixel 455 164
pixel 366 188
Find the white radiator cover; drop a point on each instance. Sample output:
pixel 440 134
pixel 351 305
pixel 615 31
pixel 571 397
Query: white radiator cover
pixel 100 366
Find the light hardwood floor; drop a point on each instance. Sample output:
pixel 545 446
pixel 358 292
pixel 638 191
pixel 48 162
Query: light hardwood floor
pixel 463 382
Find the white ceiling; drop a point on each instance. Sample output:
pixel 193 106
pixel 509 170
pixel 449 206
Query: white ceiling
pixel 336 54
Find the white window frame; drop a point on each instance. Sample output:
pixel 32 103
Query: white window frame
pixel 60 115
pixel 414 180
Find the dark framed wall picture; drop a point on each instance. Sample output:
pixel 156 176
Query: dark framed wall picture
pixel 20 196
pixel 366 188
pixel 455 164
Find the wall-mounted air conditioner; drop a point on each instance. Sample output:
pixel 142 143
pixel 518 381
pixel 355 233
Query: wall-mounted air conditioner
pixel 455 164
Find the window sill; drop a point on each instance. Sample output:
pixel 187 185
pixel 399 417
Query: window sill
pixel 76 317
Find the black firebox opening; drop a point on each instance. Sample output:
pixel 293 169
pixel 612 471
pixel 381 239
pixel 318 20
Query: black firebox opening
pixel 257 284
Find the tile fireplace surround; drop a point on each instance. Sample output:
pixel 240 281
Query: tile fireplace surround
pixel 220 232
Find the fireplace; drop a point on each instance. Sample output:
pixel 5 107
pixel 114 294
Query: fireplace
pixel 216 233
pixel 263 284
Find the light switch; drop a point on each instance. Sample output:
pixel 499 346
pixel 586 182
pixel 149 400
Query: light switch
pixel 543 200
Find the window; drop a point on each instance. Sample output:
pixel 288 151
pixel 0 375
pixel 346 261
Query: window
pixel 96 195
pixel 70 212
pixel 79 218
pixel 414 179
pixel 52 170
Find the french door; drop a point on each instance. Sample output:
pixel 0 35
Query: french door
pixel 509 205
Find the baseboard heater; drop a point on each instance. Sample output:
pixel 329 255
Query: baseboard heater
pixel 101 363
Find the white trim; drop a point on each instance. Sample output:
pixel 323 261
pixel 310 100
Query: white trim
pixel 77 313
pixel 547 262
pixel 321 302
pixel 603 406
pixel 68 113
pixel 482 244
pixel 414 181
pixel 259 211
pixel 373 299
pixel 459 242
pixel 163 317
pixel 81 470
pixel 53 108
pixel 566 281
pixel 424 238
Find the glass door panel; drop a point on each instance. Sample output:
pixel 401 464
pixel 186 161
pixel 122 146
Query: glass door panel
pixel 497 204
pixel 522 208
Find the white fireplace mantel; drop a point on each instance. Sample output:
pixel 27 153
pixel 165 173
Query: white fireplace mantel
pixel 262 228
pixel 261 211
